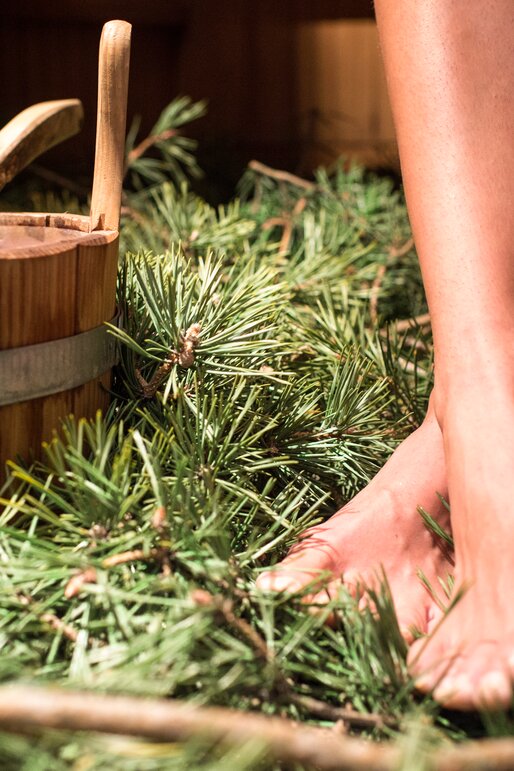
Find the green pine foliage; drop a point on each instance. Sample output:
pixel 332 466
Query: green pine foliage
pixel 262 382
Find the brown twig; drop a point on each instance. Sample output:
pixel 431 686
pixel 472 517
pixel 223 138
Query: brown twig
pixel 60 626
pixel 247 631
pixel 159 520
pixel 133 555
pixel 286 222
pixel 416 343
pixel 88 576
pixel 150 388
pixel 51 619
pixel 288 230
pixel 147 143
pixel 58 179
pixel 395 253
pixel 405 324
pixel 76 582
pixel 312 706
pixel 281 176
pixel 171 720
pixel 167 720
pixel 184 357
pixel 346 715
pixel 375 291
pixel 400 251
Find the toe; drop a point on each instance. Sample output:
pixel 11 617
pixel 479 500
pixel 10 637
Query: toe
pixel 308 563
pixel 412 618
pixel 415 661
pixel 427 667
pixel 455 692
pixel 318 602
pixel 329 593
pixel 356 582
pixel 279 581
pixel 494 691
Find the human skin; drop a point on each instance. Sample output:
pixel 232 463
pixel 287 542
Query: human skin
pixel 450 71
pixel 380 530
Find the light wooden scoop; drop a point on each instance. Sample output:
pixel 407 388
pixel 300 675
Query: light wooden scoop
pixel 35 130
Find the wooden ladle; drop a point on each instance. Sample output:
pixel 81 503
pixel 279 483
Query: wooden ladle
pixel 35 130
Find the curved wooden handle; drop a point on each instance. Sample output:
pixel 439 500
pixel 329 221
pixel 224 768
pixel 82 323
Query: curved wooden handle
pixel 36 129
pixel 113 72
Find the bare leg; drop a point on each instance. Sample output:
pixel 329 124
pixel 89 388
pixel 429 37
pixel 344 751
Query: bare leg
pixel 451 79
pixel 381 528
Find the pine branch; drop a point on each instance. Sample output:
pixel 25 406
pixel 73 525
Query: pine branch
pixel 319 709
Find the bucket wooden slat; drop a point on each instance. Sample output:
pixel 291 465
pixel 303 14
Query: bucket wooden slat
pixel 37 297
pixel 92 396
pixel 96 281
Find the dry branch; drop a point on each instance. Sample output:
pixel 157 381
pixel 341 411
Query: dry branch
pixel 134 555
pixel 76 582
pixel 147 143
pixel 400 251
pixel 184 357
pixel 27 707
pixel 89 576
pixel 345 715
pixel 421 321
pixel 23 707
pixel 60 626
pixel 395 253
pixel 281 176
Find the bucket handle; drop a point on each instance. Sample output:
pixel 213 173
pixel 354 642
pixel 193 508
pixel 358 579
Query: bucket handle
pixel 113 73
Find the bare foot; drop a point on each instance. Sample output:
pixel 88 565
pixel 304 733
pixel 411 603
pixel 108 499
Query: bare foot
pixel 469 661
pixel 380 529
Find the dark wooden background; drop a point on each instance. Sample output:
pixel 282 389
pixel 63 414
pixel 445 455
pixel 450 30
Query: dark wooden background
pixel 291 82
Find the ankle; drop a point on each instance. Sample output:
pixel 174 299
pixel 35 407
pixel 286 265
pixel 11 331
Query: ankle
pixel 477 393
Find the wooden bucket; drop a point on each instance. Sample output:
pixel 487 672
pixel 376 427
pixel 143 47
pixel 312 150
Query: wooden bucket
pixel 58 271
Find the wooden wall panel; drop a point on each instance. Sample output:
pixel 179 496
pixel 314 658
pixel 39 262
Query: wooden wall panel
pixel 341 93
pixel 291 82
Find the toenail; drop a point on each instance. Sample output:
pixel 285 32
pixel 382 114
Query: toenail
pixel 272 582
pixel 444 692
pixel 424 683
pixel 494 690
pixel 455 692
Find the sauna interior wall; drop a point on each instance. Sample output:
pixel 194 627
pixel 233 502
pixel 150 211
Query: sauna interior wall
pixel 293 83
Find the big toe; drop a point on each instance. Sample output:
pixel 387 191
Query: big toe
pixel 491 691
pixel 279 581
pixel 476 678
pixel 427 670
pixel 412 618
pixel 292 577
